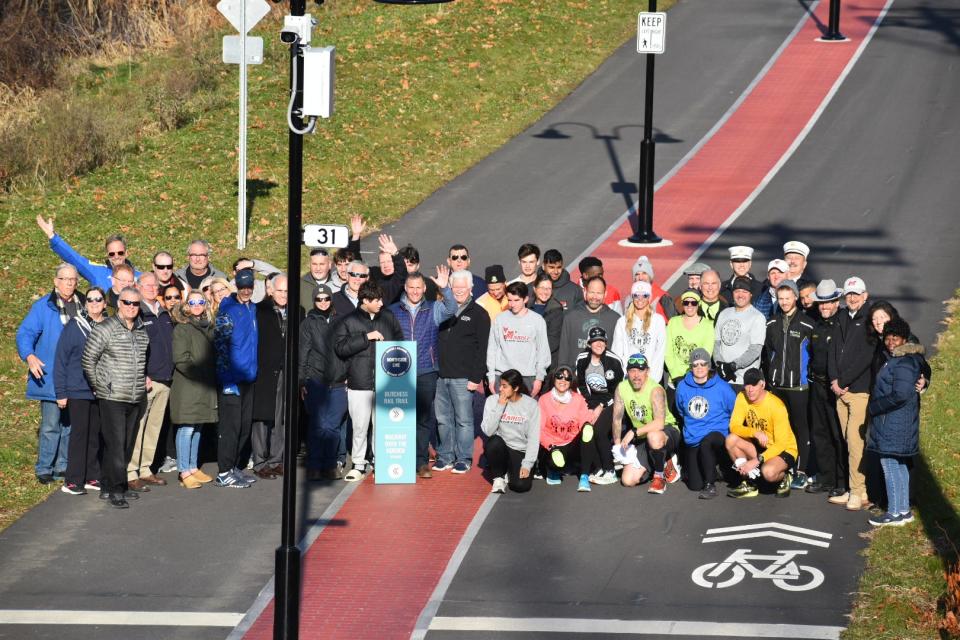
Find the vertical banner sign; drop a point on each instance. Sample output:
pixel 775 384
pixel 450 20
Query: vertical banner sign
pixel 396 413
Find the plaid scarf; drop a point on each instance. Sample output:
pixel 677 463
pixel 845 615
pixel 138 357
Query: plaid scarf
pixel 62 306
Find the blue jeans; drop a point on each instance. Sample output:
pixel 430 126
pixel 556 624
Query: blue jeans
pixel 54 440
pixel 188 446
pixel 454 409
pixel 896 475
pixel 326 435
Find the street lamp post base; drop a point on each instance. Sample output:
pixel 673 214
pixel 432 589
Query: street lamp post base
pixel 646 240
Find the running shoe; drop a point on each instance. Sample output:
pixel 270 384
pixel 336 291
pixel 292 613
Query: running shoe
pixel 92 484
pixel 499 485
pixel 709 492
pixel 244 476
pixel 671 470
pixel 658 484
pixel 800 481
pixel 169 464
pixel 783 489
pixel 604 477
pixel 584 485
pixel 553 477
pixel 888 520
pixel 73 489
pixel 354 475
pixel 743 490
pixel 228 479
pixel 441 466
pixel 461 467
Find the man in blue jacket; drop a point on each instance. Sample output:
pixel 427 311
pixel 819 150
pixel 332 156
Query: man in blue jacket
pixel 235 340
pixel 420 320
pixel 98 275
pixel 37 338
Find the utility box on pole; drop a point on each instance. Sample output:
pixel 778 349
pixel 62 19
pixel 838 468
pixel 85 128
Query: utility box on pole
pixel 318 77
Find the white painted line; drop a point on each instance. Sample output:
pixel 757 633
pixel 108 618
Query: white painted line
pixel 768 534
pixel 266 594
pixel 637 627
pixel 770 525
pixel 700 143
pixel 125 618
pixel 786 154
pixel 426 617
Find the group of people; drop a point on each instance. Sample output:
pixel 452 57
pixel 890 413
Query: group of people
pixel 776 384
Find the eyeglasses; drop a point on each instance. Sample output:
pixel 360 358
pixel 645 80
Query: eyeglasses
pixel 699 363
pixel 100 299
pixel 354 274
pixel 114 254
pixel 641 295
pixel 322 298
pixel 162 266
pixel 222 289
pixel 459 256
pixel 130 303
pixel 690 303
pixel 198 255
pixel 67 279
pixel 196 302
pixel 562 376
pixel 171 297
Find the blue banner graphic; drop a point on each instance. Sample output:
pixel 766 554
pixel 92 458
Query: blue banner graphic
pixel 396 413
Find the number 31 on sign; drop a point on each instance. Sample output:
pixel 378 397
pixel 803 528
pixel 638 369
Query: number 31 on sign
pixel 336 236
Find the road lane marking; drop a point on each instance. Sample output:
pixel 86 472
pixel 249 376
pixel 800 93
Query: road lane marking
pixel 125 618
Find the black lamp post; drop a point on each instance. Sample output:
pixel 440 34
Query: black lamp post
pixel 286 614
pixel 645 233
pixel 833 26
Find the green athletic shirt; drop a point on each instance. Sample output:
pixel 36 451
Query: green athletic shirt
pixel 639 407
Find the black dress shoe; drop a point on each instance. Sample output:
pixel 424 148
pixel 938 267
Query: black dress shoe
pixel 118 502
pixel 130 495
pixel 837 492
pixel 816 487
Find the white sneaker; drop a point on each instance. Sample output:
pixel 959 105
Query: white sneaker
pixel 169 464
pixel 606 477
pixel 499 485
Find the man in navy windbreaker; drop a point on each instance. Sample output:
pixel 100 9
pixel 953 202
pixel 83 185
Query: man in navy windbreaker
pixel 420 320
pixel 235 340
pixel 37 338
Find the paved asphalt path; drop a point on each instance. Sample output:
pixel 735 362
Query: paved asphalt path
pixel 872 188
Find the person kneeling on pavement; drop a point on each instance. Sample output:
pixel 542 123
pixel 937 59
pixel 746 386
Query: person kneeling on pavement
pixel 653 426
pixel 511 420
pixel 566 431
pixel 705 401
pixel 761 443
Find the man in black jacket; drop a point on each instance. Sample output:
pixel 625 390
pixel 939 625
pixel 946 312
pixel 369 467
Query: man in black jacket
pixel 347 299
pixel 462 345
pixel 848 367
pixel 267 434
pixel 824 425
pixel 354 341
pixel 785 359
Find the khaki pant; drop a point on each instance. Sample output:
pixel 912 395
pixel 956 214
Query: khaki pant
pixel 852 411
pixel 145 444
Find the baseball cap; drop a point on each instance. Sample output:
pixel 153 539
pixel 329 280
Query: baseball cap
pixel 742 283
pixel 640 289
pixel 700 355
pixel 779 264
pixel 752 376
pixel 596 333
pixel 854 284
pixel 244 279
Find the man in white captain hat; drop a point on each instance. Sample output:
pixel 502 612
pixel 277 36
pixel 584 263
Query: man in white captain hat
pixel 795 253
pixel 741 262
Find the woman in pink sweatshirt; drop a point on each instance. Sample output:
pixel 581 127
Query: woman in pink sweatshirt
pixel 566 431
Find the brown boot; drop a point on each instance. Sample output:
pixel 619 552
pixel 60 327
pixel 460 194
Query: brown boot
pixel 424 471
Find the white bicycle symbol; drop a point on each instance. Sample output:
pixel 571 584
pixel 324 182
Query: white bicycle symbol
pixel 782 570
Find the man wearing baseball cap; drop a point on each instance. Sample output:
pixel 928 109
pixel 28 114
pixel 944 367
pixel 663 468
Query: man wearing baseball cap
pixel 848 368
pixel 766 302
pixel 761 444
pixel 825 432
pixel 652 426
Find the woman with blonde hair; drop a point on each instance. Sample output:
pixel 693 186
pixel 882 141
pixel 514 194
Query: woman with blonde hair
pixel 193 396
pixel 215 290
pixel 641 330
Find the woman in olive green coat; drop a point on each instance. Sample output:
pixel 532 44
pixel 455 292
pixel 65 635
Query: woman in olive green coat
pixel 193 397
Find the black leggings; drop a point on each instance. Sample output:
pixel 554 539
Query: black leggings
pixel 601 449
pixel 828 442
pixel 797 402
pixel 700 461
pixel 83 462
pixel 502 459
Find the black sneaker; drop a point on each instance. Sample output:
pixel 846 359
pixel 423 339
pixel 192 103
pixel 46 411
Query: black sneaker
pixel 73 489
pixel 816 487
pixel 45 478
pixel 709 491
pixel 118 501
pixel 130 495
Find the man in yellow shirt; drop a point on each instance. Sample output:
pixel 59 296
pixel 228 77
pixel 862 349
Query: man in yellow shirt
pixel 761 442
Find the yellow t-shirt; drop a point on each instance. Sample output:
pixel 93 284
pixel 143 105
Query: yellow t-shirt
pixel 770 416
pixel 491 306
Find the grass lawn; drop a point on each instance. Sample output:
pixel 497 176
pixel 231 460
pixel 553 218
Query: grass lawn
pixel 904 592
pixel 423 93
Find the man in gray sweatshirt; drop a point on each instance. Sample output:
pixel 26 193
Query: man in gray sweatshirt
pixel 518 340
pixel 578 321
pixel 741 330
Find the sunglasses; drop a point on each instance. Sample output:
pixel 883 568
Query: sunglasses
pixel 459 256
pixel 362 276
pixel 114 254
pixel 642 295
pixel 171 297
pixel 322 298
pixel 162 266
pixel 637 362
pixel 699 364
pixel 130 303
pixel 562 376
pixel 196 302
pixel 690 303
pixel 95 299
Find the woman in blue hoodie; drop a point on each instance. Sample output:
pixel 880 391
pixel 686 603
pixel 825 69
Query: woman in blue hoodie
pixel 705 400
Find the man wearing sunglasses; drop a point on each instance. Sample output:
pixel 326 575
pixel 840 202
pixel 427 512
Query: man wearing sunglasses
pixel 159 327
pixel 37 338
pixel 458 259
pixel 347 299
pixel 114 361
pixel 163 268
pixel 98 275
